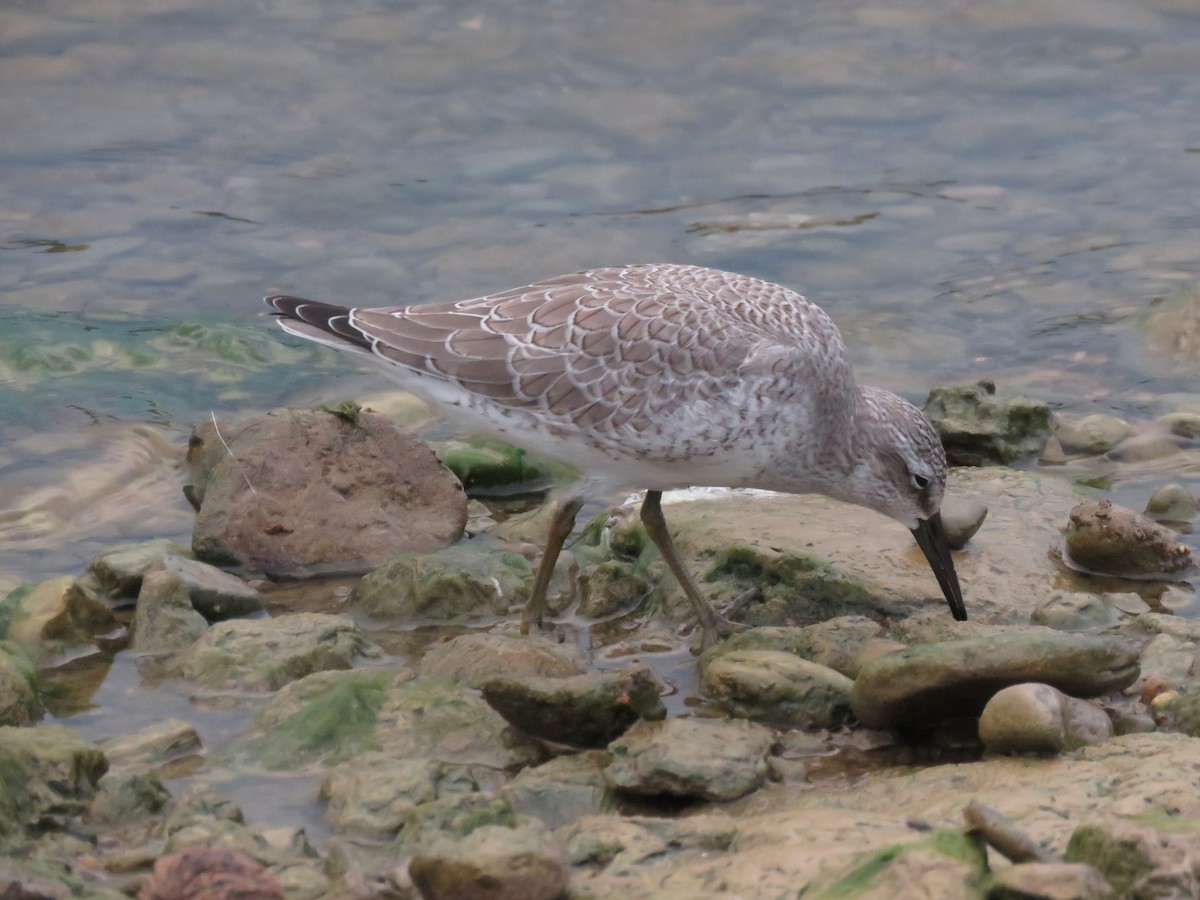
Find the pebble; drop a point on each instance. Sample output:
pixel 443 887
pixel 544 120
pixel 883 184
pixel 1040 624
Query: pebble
pixel 1103 537
pixel 1036 718
pixel 1171 503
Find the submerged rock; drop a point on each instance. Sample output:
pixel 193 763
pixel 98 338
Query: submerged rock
pixel 1171 503
pixel 1074 611
pixel 155 744
pixel 303 492
pixel 463 580
pixel 1113 540
pixel 586 710
pixel 1092 435
pixel 978 428
pixel 1036 718
pixel 215 594
pixel 928 683
pixel 266 654
pixel 708 759
pixel 165 620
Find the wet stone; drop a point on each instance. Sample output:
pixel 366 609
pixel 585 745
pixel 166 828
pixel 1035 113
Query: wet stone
pixel 1145 448
pixel 978 428
pixel 215 594
pixel 1092 435
pixel 458 581
pixel 1074 611
pixel 1036 718
pixel 1182 424
pixel 1110 539
pixel 492 863
pixel 1171 503
pixel 471 659
pixel 210 872
pixel 153 745
pixel 265 654
pixel 921 685
pixel 562 790
pixel 128 795
pixel 372 794
pixel 165 620
pixel 778 689
pixel 586 710
pixel 608 588
pixel 705 759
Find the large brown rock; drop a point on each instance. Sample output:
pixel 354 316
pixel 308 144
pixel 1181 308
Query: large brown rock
pixel 299 492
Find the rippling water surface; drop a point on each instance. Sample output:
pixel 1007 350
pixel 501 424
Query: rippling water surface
pixel 971 188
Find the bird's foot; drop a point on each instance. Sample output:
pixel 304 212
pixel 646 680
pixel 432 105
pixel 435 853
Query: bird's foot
pixel 715 626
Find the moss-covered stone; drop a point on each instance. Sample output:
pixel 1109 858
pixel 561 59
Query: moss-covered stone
pixel 978 428
pixel 45 770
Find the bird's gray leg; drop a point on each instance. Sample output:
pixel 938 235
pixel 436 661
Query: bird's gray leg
pixel 713 625
pixel 560 529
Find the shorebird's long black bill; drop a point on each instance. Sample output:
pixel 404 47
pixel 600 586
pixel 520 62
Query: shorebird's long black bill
pixel 931 538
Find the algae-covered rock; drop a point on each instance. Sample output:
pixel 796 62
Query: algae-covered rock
pixel 19 701
pixel 49 770
pixel 702 758
pixel 1113 540
pixel 1074 611
pixel 461 580
pixel 978 428
pixel 50 617
pixel 586 710
pixel 1139 861
pixel 333 716
pixel 610 587
pixel 126 796
pixel 927 683
pixel 483 463
pixel 563 789
pixel 778 689
pixel 165 619
pixel 265 654
pixel 156 744
pixel 473 658
pixel 372 794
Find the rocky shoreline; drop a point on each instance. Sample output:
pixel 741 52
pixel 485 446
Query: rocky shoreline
pixel 854 742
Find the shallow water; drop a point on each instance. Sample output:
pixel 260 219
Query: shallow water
pixel 970 188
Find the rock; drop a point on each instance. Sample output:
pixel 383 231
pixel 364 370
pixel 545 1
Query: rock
pixel 463 580
pixel 19 701
pixel 977 428
pixel 265 654
pixel 609 588
pixel 1181 424
pixel 1171 328
pixel 210 873
pixel 562 790
pixel 371 795
pixel 1050 881
pixel 454 815
pixel 335 716
pixel 153 745
pixel 1036 718
pixel 1171 503
pixel 214 594
pixel 260 503
pixel 708 759
pixel 51 617
pixel 1113 540
pixel 492 863
pixel 962 517
pixel 128 796
pixel 778 689
pixel 1178 711
pixel 473 658
pixel 1139 861
pixel 165 620
pixel 1092 435
pixel 1074 611
pixel 931 682
pixel 46 771
pixel 834 643
pixel 580 710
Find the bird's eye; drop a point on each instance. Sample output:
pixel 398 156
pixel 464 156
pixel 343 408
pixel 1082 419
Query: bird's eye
pixel 920 482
